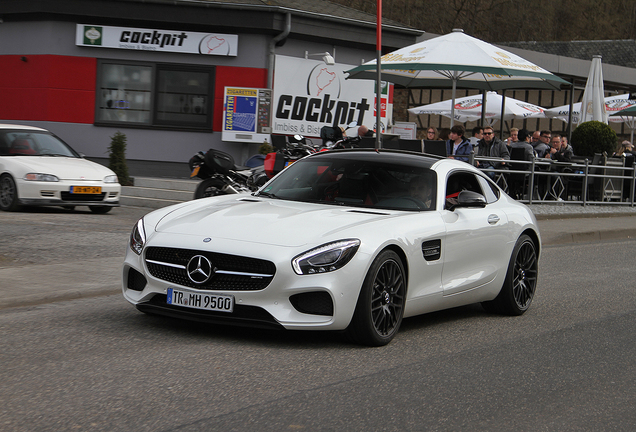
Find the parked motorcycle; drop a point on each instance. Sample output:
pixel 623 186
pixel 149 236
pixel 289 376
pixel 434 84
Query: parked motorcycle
pixel 221 176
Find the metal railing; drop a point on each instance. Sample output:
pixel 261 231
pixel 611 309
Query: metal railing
pixel 543 181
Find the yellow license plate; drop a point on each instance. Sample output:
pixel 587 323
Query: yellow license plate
pixel 86 189
pixel 195 171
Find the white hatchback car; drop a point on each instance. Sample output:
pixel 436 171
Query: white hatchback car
pixel 38 168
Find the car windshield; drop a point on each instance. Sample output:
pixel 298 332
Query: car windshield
pixel 366 180
pixel 33 143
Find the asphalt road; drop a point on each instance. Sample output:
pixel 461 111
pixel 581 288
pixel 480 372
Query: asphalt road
pixel 98 364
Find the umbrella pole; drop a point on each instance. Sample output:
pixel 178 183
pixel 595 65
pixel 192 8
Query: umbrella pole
pixel 378 83
pixel 503 110
pixel 453 104
pixel 483 108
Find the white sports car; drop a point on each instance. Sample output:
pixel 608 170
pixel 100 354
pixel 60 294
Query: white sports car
pixel 38 168
pixel 350 240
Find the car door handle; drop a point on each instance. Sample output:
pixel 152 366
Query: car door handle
pixel 493 219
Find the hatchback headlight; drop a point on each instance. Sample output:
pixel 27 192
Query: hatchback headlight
pixel 110 179
pixel 138 237
pixel 326 258
pixel 41 177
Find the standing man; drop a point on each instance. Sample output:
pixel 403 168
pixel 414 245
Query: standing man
pixel 491 146
pixel 542 146
pixel 458 147
pixel 478 132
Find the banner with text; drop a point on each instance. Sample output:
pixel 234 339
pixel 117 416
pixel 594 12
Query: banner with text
pixel 131 38
pixel 309 94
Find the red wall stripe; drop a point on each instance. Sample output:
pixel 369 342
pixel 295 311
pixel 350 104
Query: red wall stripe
pixel 62 88
pixel 48 88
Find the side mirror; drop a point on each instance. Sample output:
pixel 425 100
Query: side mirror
pixel 470 199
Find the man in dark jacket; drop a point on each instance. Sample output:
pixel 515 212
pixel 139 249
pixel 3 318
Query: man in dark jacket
pixel 491 146
pixel 458 147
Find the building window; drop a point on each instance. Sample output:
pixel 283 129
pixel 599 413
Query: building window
pixel 147 95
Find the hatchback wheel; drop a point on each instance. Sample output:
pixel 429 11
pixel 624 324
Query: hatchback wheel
pixel 8 193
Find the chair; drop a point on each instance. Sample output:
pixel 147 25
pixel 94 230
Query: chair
pixel 627 183
pixel 435 147
pixel 613 187
pixel 575 184
pixel 279 142
pixel 391 144
pixel 517 182
pixel 354 189
pixel 21 146
pixel 410 145
pixel 366 142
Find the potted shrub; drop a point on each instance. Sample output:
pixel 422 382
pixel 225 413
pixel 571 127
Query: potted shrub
pixel 117 158
pixel 593 137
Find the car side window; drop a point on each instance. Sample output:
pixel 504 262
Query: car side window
pixel 458 182
pixel 491 191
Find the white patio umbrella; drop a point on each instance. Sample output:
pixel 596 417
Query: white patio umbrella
pixel 613 105
pixel 628 114
pixel 592 105
pixel 461 61
pixel 470 108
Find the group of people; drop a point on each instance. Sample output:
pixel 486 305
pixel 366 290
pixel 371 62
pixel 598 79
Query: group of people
pixel 539 144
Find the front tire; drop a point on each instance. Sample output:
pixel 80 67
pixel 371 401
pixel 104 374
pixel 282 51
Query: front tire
pixel 100 209
pixel 521 280
pixel 8 193
pixel 209 188
pixel 380 306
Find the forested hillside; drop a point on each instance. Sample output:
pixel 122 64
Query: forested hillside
pixel 513 20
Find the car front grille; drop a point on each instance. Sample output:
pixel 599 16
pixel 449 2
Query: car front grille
pixel 230 272
pixel 67 196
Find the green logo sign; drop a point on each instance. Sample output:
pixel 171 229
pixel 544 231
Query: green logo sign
pixel 92 35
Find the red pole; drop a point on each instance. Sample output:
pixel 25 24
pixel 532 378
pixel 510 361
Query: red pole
pixel 378 83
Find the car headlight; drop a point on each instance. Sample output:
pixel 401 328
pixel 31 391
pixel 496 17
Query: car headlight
pixel 110 179
pixel 138 237
pixel 41 177
pixel 326 258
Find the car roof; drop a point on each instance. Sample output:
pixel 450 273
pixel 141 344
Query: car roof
pixel 21 127
pixel 385 155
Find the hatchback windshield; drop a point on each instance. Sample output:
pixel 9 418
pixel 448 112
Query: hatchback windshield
pixel 365 182
pixel 33 143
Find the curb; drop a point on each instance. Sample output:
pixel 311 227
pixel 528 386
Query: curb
pixel 57 296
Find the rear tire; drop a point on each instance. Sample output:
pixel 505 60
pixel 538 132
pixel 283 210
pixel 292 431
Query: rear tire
pixel 380 306
pixel 209 188
pixel 8 194
pixel 520 284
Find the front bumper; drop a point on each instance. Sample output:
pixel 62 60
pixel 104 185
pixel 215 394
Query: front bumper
pixel 36 193
pixel 319 302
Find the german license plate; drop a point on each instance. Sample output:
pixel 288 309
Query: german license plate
pixel 197 300
pixel 86 189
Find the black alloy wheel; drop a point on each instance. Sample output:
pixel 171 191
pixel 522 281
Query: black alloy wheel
pixel 380 306
pixel 520 284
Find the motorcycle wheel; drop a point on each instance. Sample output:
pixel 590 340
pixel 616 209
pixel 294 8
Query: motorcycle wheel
pixel 209 188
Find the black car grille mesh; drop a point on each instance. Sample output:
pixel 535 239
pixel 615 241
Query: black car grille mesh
pixel 67 196
pixel 170 264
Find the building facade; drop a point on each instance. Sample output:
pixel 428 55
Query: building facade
pixel 158 70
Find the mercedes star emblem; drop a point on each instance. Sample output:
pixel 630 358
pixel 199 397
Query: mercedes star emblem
pixel 199 269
